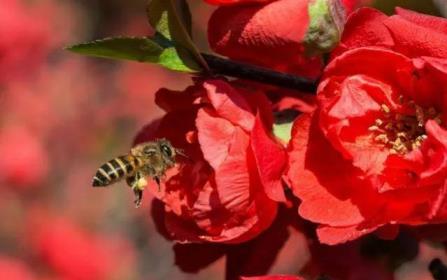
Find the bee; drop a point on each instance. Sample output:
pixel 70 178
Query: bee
pixel 151 159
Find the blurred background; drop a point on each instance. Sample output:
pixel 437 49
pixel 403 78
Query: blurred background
pixel 63 115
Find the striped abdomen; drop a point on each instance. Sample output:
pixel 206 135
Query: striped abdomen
pixel 115 170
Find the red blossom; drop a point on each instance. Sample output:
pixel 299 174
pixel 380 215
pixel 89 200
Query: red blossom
pixel 14 269
pixel 381 128
pixel 270 35
pixel 75 254
pixel 228 192
pixel 24 161
pixel 24 42
pixel 273 249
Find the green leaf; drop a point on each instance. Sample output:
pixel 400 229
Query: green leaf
pixel 283 131
pixel 129 48
pixel 151 50
pixel 172 19
pixel 282 128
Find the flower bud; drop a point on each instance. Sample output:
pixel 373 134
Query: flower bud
pixel 326 21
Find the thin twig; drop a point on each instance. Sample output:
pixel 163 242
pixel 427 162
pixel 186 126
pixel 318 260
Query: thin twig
pixel 231 68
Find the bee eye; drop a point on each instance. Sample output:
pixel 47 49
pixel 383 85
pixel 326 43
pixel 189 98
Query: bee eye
pixel 166 150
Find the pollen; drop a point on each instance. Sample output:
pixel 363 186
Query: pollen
pixel 401 132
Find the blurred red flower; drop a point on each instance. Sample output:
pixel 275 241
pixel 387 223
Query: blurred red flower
pixel 375 152
pixel 13 269
pixel 24 41
pixel 229 192
pixel 24 161
pixel 75 254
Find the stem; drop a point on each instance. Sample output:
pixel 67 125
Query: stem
pixel 226 67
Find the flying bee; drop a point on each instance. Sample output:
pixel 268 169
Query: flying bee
pixel 151 159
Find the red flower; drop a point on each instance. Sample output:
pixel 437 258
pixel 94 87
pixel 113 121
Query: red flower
pixel 25 162
pixel 227 192
pixel 375 152
pixel 279 34
pixel 14 269
pixel 76 254
pixel 269 34
pixel 24 42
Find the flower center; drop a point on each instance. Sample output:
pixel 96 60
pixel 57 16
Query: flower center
pixel 403 132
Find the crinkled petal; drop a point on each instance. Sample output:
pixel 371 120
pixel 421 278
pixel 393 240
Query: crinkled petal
pixel 229 104
pixel 322 182
pixel 365 28
pixel 398 70
pixel 271 160
pixel 215 136
pixel 434 23
pixel 415 40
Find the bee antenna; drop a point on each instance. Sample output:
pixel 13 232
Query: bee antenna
pixel 182 153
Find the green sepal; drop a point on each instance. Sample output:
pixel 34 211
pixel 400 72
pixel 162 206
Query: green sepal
pixel 326 22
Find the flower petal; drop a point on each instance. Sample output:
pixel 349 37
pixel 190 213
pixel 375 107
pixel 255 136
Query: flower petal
pixel 415 40
pixel 337 235
pixel 215 136
pixel 434 23
pixel 365 28
pixel 229 104
pixel 271 159
pixel 322 183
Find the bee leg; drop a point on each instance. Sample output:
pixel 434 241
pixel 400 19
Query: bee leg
pixel 138 197
pixel 157 180
pixel 137 183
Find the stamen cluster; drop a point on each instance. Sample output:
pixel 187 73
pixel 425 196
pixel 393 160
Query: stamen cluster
pixel 403 132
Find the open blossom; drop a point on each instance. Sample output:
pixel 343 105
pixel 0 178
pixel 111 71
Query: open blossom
pixel 375 152
pixel 228 191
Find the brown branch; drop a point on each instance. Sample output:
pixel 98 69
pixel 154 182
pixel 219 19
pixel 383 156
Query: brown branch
pixel 231 68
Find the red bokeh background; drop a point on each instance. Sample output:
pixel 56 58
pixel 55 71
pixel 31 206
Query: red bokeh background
pixel 63 115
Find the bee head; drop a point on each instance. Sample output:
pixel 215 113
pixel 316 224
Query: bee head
pixel 160 147
pixel 167 150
